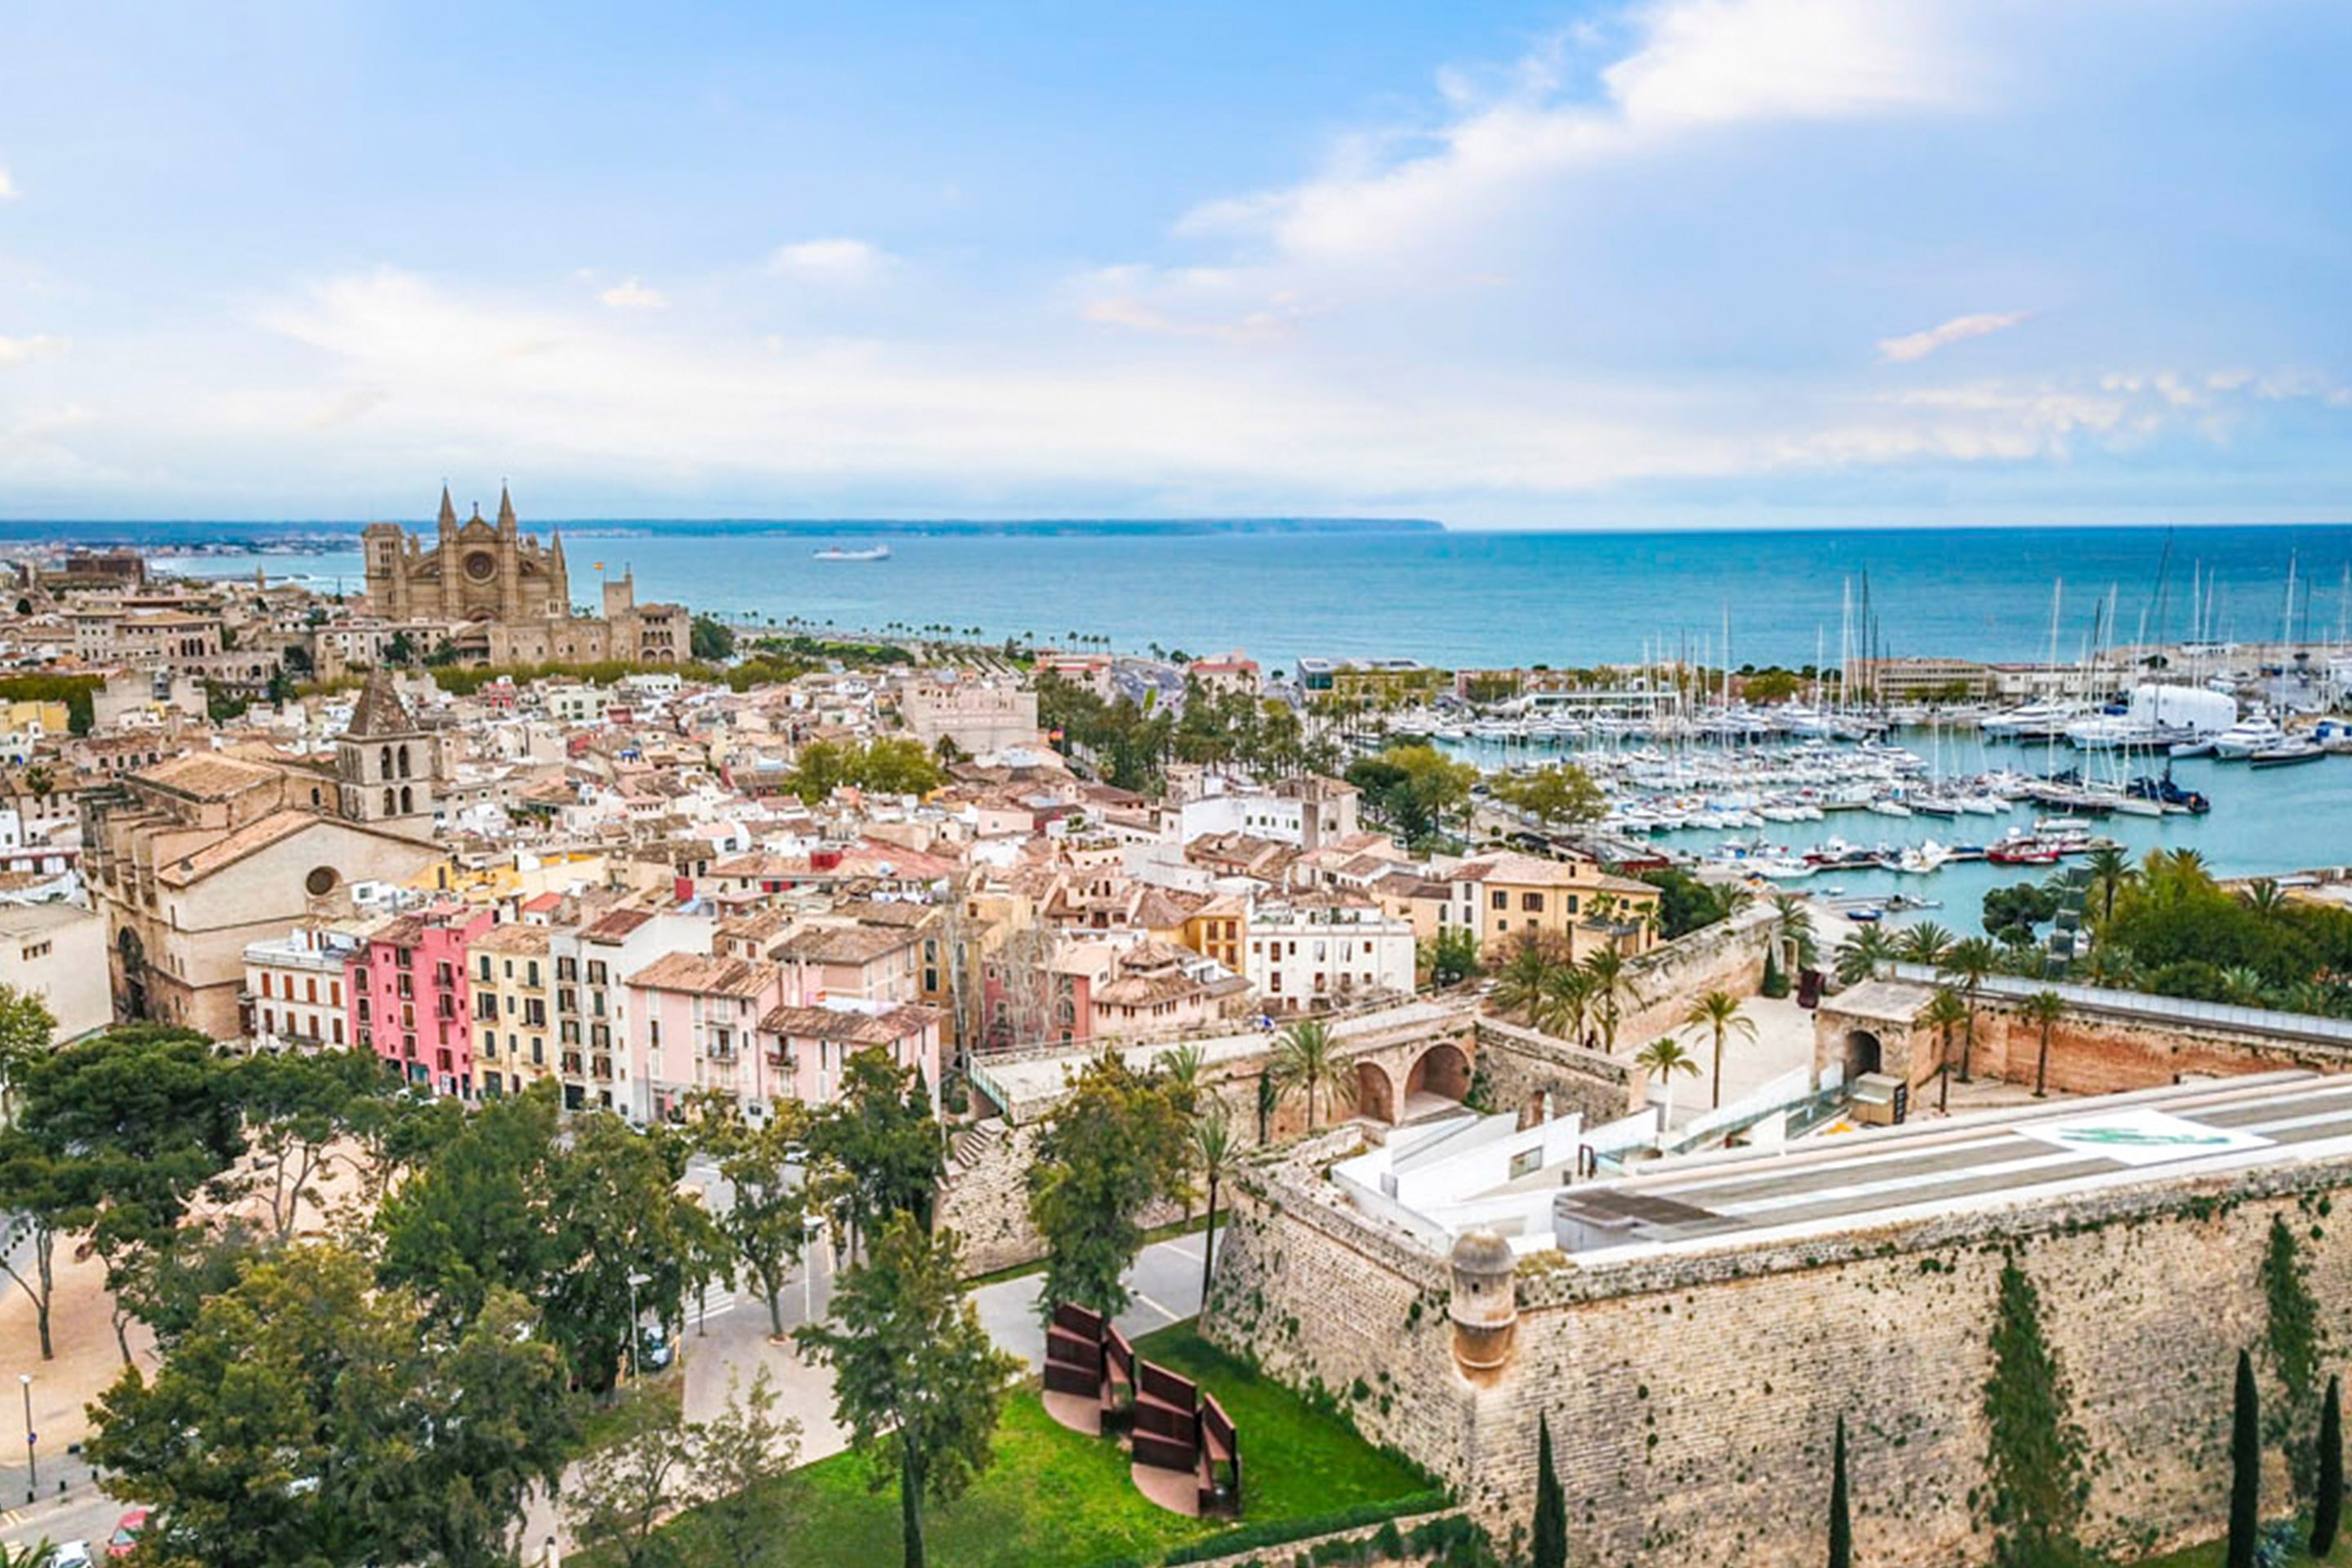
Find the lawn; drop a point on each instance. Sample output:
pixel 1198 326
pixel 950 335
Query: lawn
pixel 2214 1553
pixel 1056 1500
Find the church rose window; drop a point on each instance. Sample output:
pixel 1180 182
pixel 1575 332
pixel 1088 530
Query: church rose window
pixel 481 565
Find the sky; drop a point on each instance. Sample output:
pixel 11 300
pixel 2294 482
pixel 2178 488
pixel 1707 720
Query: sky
pixel 1680 263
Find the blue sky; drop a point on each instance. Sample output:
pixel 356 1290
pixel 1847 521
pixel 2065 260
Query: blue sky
pixel 1684 263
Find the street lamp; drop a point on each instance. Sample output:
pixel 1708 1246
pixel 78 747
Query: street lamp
pixel 32 1457
pixel 634 1280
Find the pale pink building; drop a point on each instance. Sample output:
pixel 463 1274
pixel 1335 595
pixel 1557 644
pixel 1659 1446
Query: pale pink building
pixel 693 1023
pixel 807 1047
pixel 409 997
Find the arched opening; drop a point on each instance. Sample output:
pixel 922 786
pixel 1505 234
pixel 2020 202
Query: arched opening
pixel 407 801
pixel 1439 1080
pixel 384 763
pixel 391 804
pixel 1863 1054
pixel 134 953
pixel 1375 1093
pixel 403 761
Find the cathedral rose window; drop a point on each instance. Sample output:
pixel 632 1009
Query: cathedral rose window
pixel 481 565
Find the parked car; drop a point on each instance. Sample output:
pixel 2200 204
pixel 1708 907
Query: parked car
pixel 70 1555
pixel 654 1351
pixel 126 1532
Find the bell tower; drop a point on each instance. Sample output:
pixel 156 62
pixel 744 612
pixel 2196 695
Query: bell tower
pixel 384 765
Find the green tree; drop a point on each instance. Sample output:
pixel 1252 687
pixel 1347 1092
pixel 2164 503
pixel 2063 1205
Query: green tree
pixel 1565 998
pixel 1612 987
pixel 710 640
pixel 1549 1538
pixel 1528 963
pixel 1452 956
pixel 1718 1013
pixel 626 1241
pixel 26 1032
pixel 1663 1060
pixel 881 1147
pixel 629 1485
pixel 296 1106
pixel 1861 957
pixel 1794 922
pixel 1944 1013
pixel 2044 1010
pixel 1560 794
pixel 2036 1471
pixel 1840 1515
pixel 912 1366
pixel 1113 1144
pixel 399 649
pixel 2111 872
pixel 308 1417
pixel 767 1223
pixel 820 768
pixel 473 1218
pixel 2327 1509
pixel 1305 1060
pixel 1213 1158
pixel 742 1486
pixel 2245 1468
pixel 894 764
pixel 1417 789
pixel 1970 963
pixel 42 1196
pixel 1925 943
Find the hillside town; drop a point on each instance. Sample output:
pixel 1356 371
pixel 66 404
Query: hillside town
pixel 1174 1021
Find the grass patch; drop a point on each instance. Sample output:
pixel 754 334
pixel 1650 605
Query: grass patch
pixel 1056 1500
pixel 2215 1552
pixel 600 1421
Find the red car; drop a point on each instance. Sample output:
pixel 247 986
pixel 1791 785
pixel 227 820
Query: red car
pixel 126 1532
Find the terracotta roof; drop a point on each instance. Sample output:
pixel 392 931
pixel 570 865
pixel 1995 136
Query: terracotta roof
pixel 844 944
pixel 616 924
pixel 512 937
pixel 379 710
pixel 848 1025
pixel 258 834
pixel 207 776
pixel 712 976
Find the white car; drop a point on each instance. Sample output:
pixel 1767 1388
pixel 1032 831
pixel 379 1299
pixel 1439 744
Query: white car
pixel 70 1555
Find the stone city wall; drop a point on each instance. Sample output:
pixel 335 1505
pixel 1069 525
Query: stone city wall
pixel 1727 956
pixel 2097 1053
pixel 1692 1395
pixel 1520 1067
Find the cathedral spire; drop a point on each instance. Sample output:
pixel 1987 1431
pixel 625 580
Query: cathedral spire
pixel 448 512
pixel 506 507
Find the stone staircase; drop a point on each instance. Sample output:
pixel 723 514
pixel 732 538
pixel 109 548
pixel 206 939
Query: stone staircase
pixel 970 1144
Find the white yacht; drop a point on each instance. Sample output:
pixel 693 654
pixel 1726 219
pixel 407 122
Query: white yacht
pixel 2257 732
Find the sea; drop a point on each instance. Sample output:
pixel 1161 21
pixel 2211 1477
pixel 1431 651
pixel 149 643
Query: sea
pixel 1280 591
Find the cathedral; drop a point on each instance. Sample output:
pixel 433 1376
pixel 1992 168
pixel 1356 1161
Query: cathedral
pixel 501 597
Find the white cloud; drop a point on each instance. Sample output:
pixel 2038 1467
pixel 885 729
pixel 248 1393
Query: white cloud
pixel 7 187
pixel 629 294
pixel 838 262
pixel 1919 345
pixel 1696 64
pixel 16 350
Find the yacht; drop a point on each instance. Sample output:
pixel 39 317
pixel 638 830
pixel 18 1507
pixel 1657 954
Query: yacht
pixel 2035 720
pixel 2255 733
pixel 2289 751
pixel 835 553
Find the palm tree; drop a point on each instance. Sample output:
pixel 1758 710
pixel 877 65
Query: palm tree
pixel 1796 923
pixel 2112 964
pixel 1611 988
pixel 1179 1066
pixel 2264 897
pixel 1567 994
pixel 2188 865
pixel 1212 1154
pixel 1733 900
pixel 1968 962
pixel 1718 1013
pixel 1925 943
pixel 2244 986
pixel 2111 872
pixel 2042 1009
pixel 1945 1011
pixel 1662 1058
pixel 1303 1059
pixel 1519 982
pixel 1858 957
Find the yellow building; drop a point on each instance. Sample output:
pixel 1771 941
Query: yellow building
pixel 513 1001
pixel 1505 897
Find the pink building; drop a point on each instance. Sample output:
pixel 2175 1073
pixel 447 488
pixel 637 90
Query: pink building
pixel 806 1046
pixel 850 963
pixel 693 1022
pixel 409 996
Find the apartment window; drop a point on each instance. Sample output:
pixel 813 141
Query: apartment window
pixel 533 973
pixel 1531 902
pixel 264 975
pixel 653 1033
pixel 1571 903
pixel 1501 899
pixel 596 972
pixel 567 969
pixel 486 968
pixel 310 989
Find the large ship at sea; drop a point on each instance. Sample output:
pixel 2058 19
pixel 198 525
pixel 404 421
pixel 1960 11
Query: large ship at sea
pixel 835 553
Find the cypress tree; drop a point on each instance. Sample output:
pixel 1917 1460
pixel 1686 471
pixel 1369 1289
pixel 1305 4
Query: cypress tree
pixel 2035 1460
pixel 2245 1468
pixel 2327 1512
pixel 1550 1544
pixel 1840 1526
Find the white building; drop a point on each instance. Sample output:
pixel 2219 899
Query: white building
pixel 1308 954
pixel 58 952
pixel 294 990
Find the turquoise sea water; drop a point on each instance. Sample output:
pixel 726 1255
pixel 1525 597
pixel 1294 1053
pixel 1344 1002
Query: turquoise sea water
pixel 1472 599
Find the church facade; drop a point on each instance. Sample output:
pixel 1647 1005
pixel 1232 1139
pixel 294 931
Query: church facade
pixel 501 597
